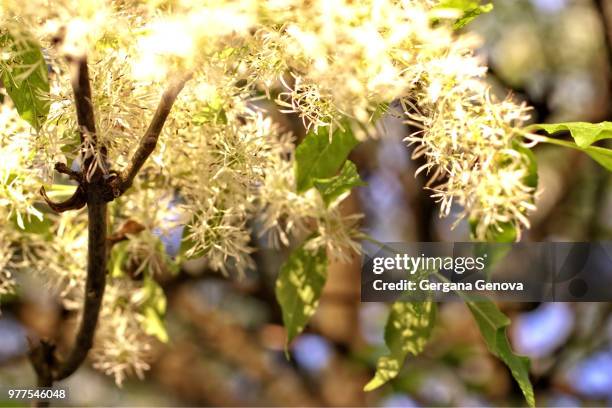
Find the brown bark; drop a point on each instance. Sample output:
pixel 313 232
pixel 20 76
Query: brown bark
pixel 97 186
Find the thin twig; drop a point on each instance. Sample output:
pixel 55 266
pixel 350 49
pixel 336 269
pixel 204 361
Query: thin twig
pixel 75 202
pixel 62 168
pixel 148 142
pixel 82 98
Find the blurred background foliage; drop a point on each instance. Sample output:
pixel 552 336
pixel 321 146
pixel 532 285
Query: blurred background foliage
pixel 226 336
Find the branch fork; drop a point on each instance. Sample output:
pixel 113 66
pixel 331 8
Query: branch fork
pixel 96 187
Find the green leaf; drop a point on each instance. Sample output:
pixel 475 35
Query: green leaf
pixel 492 324
pixel 505 232
pixel 154 295
pixel 213 112
pixel 153 309
pixel 118 256
pixel 531 180
pixel 26 79
pixel 333 187
pixel 153 325
pixel 600 155
pixel 320 157
pixel 585 134
pixel 34 225
pixel 298 288
pixel 407 331
pixel 470 9
pixel 153 305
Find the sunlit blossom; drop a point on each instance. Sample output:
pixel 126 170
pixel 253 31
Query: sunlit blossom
pixel 223 169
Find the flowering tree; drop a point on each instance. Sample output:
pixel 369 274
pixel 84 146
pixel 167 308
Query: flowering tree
pixel 153 115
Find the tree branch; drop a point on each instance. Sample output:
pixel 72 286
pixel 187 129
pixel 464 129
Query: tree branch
pixel 97 186
pixel 92 191
pixel 148 142
pixel 82 98
pixel 94 286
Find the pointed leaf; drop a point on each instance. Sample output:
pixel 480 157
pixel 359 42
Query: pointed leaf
pixel 299 287
pixel 34 225
pixel 492 324
pixel 407 331
pixel 333 187
pixel 117 258
pixel 26 79
pixel 584 133
pixel 600 155
pixel 153 310
pixel 470 9
pixel 504 232
pixel 320 157
pixel 153 324
pixel 531 179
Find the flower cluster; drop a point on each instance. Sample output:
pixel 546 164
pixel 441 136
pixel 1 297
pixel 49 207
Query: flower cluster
pixel 223 169
pixel 222 166
pixel 471 142
pixel 18 186
pixel 122 345
pixel 286 213
pixel 339 59
pixel 18 178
